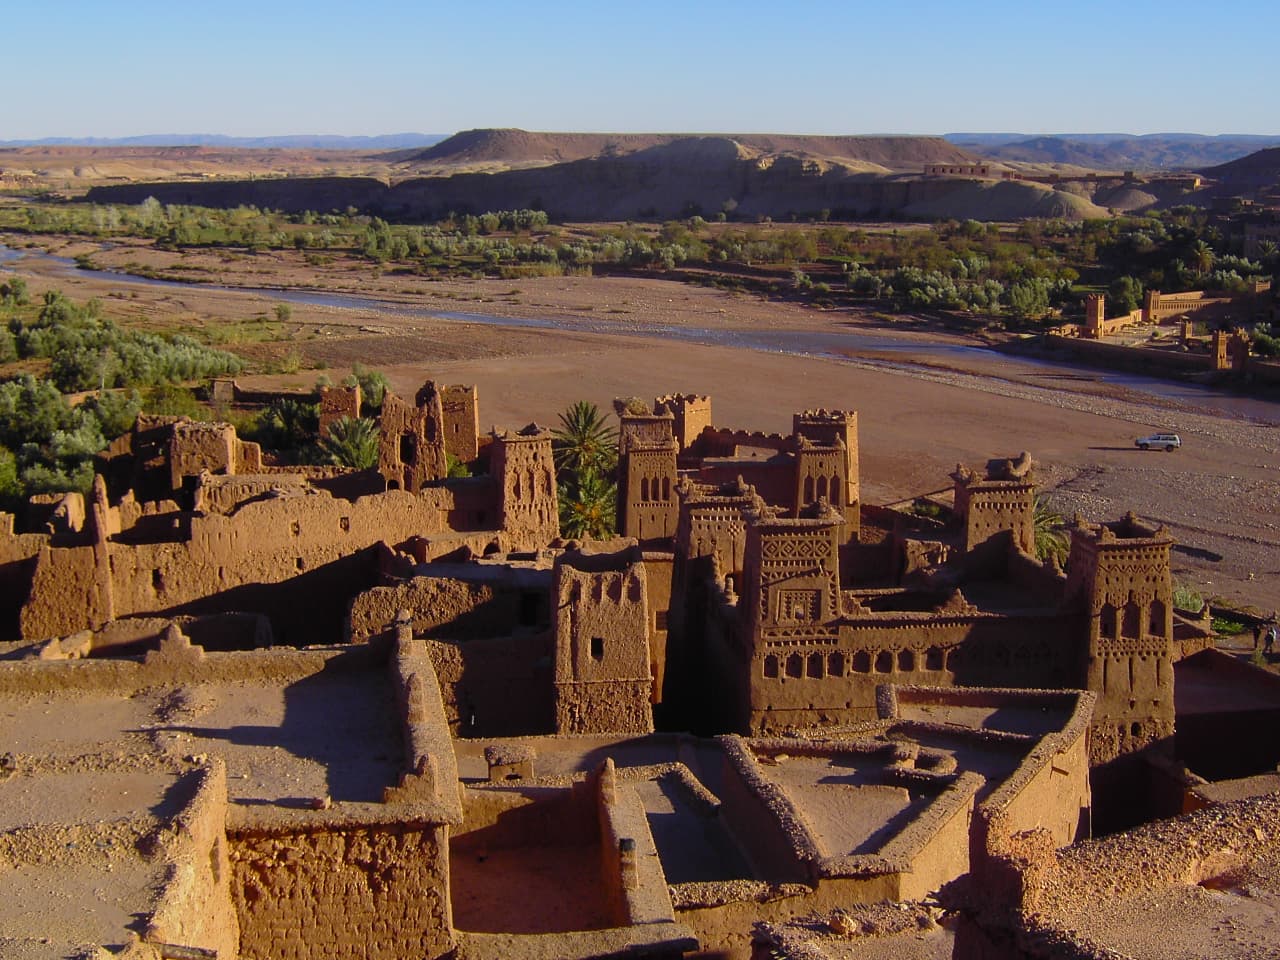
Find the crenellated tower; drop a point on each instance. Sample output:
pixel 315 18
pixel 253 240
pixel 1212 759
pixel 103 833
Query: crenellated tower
pixel 647 451
pixel 827 463
pixel 1119 572
pixel 603 679
pixel 522 466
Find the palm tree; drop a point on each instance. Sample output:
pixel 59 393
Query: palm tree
pixel 1201 257
pixel 588 506
pixel 1050 532
pixel 585 442
pixel 352 443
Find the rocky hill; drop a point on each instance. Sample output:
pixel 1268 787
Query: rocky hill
pixel 522 148
pixel 676 178
pixel 1257 170
pixel 1158 151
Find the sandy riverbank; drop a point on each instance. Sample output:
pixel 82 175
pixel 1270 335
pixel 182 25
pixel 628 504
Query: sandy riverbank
pixel 1220 495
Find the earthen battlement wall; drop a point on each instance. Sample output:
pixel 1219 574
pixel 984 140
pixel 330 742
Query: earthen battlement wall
pixel 430 774
pixel 195 908
pixel 724 442
pixel 754 807
pixel 636 888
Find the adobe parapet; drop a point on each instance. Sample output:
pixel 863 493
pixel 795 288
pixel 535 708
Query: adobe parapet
pixel 1129 529
pixel 531 432
pixel 814 517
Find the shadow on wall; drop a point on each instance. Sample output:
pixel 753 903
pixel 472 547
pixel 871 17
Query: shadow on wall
pixel 504 686
pixel 341 719
pixel 305 610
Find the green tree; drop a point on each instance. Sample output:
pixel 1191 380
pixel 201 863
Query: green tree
pixel 13 292
pixel 352 443
pixel 1125 294
pixel 1201 257
pixel 1050 532
pixel 298 421
pixel 373 386
pixel 585 443
pixel 588 506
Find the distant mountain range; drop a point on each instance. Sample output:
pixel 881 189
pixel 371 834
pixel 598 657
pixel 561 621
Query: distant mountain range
pixel 302 141
pixel 1116 151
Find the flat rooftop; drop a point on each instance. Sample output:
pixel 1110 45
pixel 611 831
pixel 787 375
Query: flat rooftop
pixel 71 842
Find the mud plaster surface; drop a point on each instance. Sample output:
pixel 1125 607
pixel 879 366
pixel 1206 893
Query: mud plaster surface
pixel 848 811
pixel 1190 922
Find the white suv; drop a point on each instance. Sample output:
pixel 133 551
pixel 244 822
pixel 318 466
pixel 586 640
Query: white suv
pixel 1167 441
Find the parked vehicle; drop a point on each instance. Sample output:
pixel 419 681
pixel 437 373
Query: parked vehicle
pixel 1159 441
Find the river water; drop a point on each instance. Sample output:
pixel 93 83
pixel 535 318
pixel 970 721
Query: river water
pixel 836 344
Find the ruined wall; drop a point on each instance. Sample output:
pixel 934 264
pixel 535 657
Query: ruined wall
pixel 635 886
pixel 441 606
pixel 522 465
pixel 342 890
pixel 763 819
pixel 460 406
pixel 19 556
pixel 195 907
pixel 336 403
pixel 411 441
pixel 227 561
pixel 602 672
pixel 725 442
pixel 497 686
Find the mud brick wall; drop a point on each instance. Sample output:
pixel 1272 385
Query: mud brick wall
pixel 195 908
pixel 374 892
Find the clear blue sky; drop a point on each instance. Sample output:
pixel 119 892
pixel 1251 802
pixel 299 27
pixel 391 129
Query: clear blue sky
pixel 128 67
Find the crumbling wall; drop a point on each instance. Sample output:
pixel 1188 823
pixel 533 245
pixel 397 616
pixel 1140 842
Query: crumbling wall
pixel 336 403
pixel 438 607
pixel 497 686
pixel 342 889
pixel 602 673
pixel 522 465
pixel 765 821
pixel 636 888
pixel 195 908
pixel 264 542
pixel 460 406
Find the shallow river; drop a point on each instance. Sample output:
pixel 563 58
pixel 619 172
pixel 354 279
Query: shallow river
pixel 814 343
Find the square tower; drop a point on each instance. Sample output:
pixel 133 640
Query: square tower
pixel 836 429
pixel 603 679
pixel 1119 573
